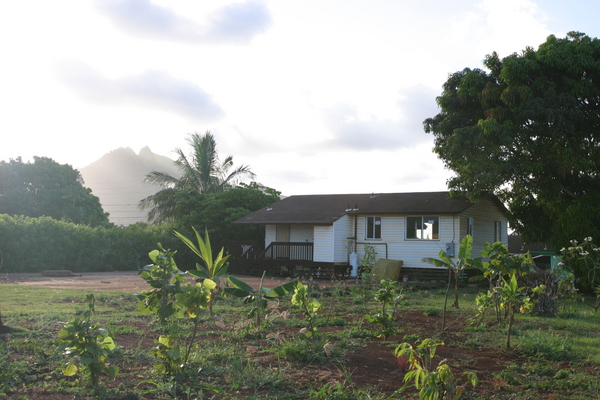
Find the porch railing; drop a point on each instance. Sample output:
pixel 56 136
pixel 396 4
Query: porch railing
pixel 288 251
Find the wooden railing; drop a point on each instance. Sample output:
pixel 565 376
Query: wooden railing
pixel 278 259
pixel 288 251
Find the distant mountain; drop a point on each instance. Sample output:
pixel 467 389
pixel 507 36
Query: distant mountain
pixel 117 179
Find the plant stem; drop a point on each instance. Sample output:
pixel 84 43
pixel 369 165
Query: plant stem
pixel 191 342
pixel 446 301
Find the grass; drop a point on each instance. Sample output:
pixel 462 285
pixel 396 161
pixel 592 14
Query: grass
pixel 234 359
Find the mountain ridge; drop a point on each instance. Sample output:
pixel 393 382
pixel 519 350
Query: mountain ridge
pixel 117 178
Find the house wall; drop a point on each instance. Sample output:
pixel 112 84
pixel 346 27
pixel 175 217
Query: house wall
pixel 270 234
pixel 298 233
pixel 484 214
pixel 302 233
pixel 324 248
pixel 343 229
pixel 394 246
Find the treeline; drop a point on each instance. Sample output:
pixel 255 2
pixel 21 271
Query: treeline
pixel 39 244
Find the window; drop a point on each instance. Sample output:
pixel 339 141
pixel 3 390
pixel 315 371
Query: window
pixel 470 226
pixel 423 228
pixel 497 231
pixel 373 228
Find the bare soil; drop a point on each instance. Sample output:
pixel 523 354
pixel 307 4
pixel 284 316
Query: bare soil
pixel 125 281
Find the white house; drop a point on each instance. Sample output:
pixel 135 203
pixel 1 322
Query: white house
pixel 400 226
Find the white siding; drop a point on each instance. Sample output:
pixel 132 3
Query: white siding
pixel 343 229
pixel 302 233
pixel 298 233
pixel 270 234
pixel 324 243
pixel 394 245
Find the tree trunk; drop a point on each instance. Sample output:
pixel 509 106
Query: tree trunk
pixel 456 276
pixel 510 325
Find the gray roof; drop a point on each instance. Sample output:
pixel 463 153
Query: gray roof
pixel 326 209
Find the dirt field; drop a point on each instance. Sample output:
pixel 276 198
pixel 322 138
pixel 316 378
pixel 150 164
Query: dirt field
pixel 128 281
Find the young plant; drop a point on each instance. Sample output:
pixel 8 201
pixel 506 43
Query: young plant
pixel 257 297
pixel 387 292
pixel 463 262
pixel 308 305
pixel 499 266
pixel 432 382
pixel 514 299
pixel 368 261
pixel 90 344
pixel 165 278
pixel 171 299
pixel 212 268
pixel 501 263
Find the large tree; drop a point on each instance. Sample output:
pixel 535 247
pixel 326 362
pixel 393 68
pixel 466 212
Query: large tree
pixel 528 129
pixel 202 172
pixel 47 188
pixel 215 212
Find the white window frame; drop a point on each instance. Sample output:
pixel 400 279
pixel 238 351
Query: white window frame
pixel 424 219
pixel 373 233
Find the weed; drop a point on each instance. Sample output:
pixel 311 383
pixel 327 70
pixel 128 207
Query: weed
pixel 431 312
pixel 543 345
pixel 307 350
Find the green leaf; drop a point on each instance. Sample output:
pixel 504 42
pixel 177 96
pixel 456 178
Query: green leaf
pixel 238 283
pixel 174 353
pixel 108 343
pixel 70 369
pixel 112 371
pixel 164 340
pixel 154 256
pixel 200 272
pixel 64 334
pixel 87 360
pixel 209 284
pixel 282 290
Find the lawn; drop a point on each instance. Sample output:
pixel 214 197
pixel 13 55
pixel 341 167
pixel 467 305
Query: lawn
pixel 550 358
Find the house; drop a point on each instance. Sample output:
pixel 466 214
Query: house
pixel 328 232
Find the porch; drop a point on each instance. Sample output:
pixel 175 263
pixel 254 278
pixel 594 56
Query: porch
pixel 282 259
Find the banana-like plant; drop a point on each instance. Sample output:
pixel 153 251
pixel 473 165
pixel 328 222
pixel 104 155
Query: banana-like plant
pixel 213 268
pixel 257 297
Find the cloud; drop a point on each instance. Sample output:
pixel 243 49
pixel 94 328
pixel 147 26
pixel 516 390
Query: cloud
pixel 352 131
pixel 236 23
pixel 485 27
pixel 153 89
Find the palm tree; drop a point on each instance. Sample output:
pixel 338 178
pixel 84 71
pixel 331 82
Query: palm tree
pixel 201 172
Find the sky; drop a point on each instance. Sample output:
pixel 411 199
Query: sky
pixel 316 97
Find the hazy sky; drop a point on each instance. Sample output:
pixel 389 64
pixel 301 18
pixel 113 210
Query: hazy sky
pixel 322 96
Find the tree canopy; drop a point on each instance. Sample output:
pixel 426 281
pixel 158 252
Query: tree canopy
pixel 528 130
pixel 47 188
pixel 215 212
pixel 202 171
